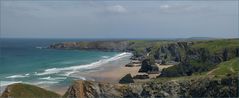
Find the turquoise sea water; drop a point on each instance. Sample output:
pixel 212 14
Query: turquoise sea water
pixel 28 61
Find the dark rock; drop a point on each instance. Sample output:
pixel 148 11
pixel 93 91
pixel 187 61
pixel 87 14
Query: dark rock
pixel 126 79
pixel 225 55
pixel 145 94
pixel 94 45
pixel 237 52
pixel 204 54
pixel 91 89
pixel 128 93
pixel 163 62
pixel 141 76
pixel 131 65
pixel 149 66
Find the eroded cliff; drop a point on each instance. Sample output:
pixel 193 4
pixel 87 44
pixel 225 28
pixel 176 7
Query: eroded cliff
pixel 192 87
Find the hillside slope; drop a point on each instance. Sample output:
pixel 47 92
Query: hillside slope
pixel 228 67
pixel 192 87
pixel 20 90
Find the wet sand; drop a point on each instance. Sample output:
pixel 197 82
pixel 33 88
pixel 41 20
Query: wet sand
pixel 114 75
pixel 111 73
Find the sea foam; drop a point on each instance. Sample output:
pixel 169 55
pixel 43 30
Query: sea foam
pixel 52 79
pixel 18 76
pixel 5 83
pixel 72 69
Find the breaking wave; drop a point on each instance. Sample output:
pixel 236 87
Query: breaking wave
pixel 18 76
pixel 73 69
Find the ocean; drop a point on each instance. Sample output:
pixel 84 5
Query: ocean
pixel 29 61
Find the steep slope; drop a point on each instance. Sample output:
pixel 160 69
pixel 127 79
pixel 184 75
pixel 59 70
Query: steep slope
pixel 91 89
pixel 187 87
pixel 19 90
pixel 203 56
pixel 228 67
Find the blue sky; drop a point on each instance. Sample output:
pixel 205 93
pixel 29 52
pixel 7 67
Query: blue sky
pixel 119 19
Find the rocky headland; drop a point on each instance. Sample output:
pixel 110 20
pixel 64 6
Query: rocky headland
pixel 206 68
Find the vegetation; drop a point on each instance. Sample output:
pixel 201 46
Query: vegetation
pixel 228 67
pixel 216 46
pixel 196 60
pixel 204 56
pixel 220 71
pixel 27 91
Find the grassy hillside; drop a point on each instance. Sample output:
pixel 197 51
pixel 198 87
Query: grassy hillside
pixel 228 67
pixel 27 91
pixel 215 46
pixel 222 69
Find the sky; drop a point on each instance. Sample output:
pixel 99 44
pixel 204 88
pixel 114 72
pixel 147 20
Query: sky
pixel 119 19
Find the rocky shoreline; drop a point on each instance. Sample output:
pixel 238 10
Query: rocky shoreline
pixel 186 76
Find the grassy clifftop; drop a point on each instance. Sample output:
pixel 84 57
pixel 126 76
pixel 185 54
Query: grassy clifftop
pixel 228 67
pixel 216 46
pixel 20 90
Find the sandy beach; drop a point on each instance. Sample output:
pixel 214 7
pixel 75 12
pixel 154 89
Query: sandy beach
pixel 115 74
pixel 111 72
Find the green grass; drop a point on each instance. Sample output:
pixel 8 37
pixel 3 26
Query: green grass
pixel 221 70
pixel 20 90
pixel 228 67
pixel 216 46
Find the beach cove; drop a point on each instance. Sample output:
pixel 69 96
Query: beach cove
pixel 30 61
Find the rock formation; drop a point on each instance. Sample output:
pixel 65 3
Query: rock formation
pixel 149 66
pixel 91 89
pixel 199 87
pixel 126 79
pixel 95 45
pixel 144 76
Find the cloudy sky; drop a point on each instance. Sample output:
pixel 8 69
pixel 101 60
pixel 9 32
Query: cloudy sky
pixel 119 19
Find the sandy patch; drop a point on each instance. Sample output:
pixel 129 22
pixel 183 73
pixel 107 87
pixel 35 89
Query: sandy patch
pixel 115 74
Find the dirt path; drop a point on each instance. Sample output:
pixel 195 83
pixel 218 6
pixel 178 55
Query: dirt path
pixel 232 70
pixel 209 73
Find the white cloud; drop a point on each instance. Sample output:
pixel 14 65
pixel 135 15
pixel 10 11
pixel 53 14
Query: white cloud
pixel 117 9
pixel 165 6
pixel 182 8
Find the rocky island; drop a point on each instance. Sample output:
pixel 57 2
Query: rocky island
pixel 202 68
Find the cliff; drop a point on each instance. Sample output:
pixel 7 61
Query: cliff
pixel 201 69
pixel 189 56
pixel 91 89
pixel 193 87
pixel 201 57
pixel 95 45
pixel 184 87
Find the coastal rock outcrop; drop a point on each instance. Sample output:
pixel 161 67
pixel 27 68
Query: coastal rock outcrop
pixel 126 79
pixel 93 45
pixel 148 66
pixel 172 52
pixel 91 89
pixel 144 76
pixel 196 87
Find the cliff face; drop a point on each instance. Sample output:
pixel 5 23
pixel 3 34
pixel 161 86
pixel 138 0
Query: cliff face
pixel 96 45
pixel 172 52
pixel 90 89
pixel 164 52
pixel 186 87
pixel 200 87
pixel 190 57
pixel 195 57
